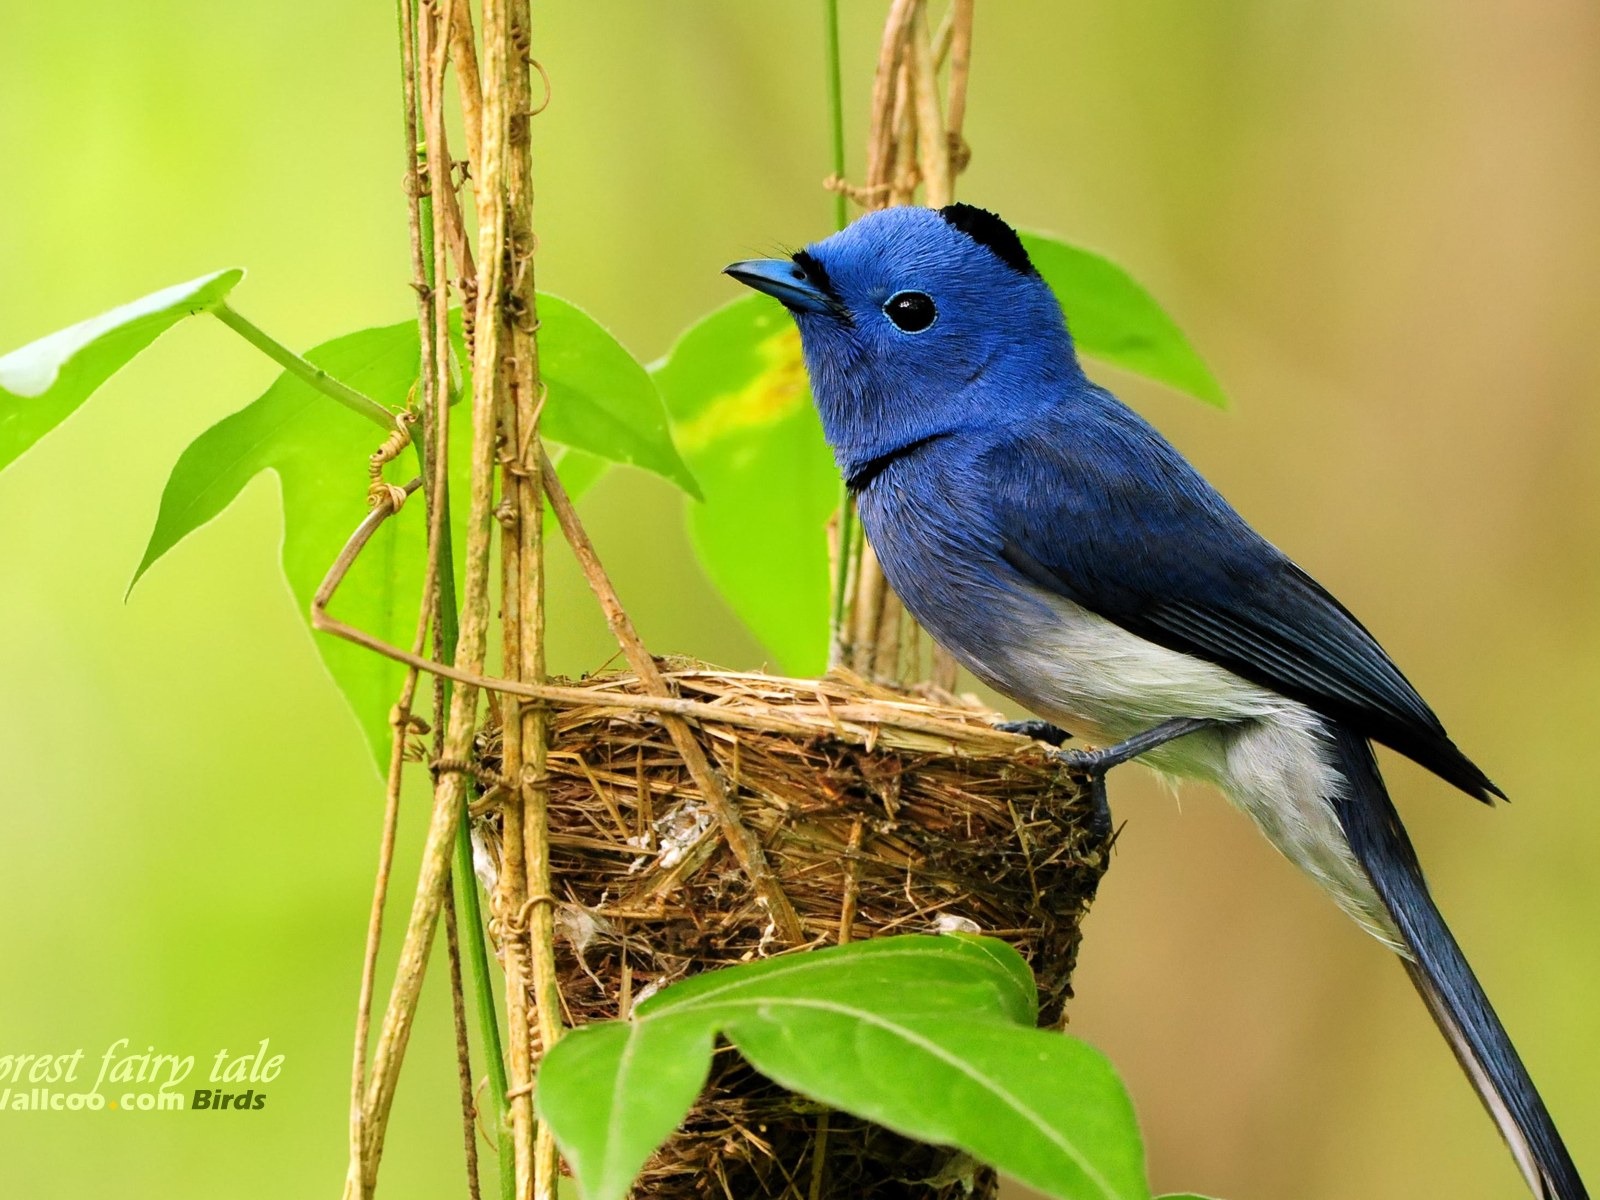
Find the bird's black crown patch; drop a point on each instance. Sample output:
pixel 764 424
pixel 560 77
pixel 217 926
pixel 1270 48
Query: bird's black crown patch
pixel 985 228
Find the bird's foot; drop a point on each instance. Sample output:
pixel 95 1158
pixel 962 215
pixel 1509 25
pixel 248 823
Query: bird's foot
pixel 1039 731
pixel 1054 735
pixel 1095 763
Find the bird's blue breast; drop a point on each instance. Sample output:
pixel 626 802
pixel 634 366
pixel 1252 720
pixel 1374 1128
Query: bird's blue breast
pixel 923 511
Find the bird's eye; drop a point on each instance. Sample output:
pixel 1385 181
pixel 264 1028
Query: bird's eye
pixel 911 311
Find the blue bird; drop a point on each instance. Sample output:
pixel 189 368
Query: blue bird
pixel 1068 555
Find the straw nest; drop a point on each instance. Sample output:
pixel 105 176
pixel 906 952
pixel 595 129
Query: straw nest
pixel 880 811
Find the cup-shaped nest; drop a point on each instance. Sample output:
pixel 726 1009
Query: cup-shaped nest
pixel 880 811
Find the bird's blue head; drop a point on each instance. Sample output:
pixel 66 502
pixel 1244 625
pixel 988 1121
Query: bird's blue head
pixel 916 323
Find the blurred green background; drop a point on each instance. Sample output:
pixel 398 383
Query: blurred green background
pixel 1376 221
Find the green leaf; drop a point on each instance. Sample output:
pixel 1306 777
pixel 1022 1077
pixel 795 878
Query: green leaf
pixel 1114 319
pixel 601 400
pixel 42 383
pixel 634 1080
pixel 934 1037
pixel 735 385
pixel 953 974
pixel 318 449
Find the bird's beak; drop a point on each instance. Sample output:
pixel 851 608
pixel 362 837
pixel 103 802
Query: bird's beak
pixel 782 279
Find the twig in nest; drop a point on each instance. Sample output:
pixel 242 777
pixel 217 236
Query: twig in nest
pixel 744 846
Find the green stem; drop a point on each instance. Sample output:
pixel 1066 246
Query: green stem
pixel 830 13
pixel 847 510
pixel 312 375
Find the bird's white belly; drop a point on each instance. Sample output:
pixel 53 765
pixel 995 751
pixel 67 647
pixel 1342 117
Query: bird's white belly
pixel 1271 758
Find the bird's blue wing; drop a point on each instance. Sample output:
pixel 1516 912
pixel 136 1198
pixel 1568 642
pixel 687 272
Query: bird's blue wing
pixel 1107 514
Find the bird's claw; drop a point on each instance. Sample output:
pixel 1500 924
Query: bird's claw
pixel 1093 764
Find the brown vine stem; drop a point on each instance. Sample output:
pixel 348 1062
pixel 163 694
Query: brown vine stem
pixel 522 599
pixel 752 859
pixel 449 238
pixel 903 144
pixel 359 1177
pixel 449 795
pixel 356 1181
pixel 770 720
pixel 454 225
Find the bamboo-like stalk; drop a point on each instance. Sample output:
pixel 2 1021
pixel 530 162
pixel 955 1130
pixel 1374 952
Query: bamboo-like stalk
pixel 933 145
pixel 528 392
pixel 527 929
pixel 866 610
pixel 910 143
pixel 843 529
pixel 960 18
pixel 511 891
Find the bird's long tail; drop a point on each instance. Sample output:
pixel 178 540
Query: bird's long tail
pixel 1445 981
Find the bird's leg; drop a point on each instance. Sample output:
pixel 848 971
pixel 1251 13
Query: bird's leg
pixel 1095 763
pixel 1039 731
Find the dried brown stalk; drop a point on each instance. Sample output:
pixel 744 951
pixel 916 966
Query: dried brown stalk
pixel 933 145
pixel 464 53
pixel 880 142
pixel 960 22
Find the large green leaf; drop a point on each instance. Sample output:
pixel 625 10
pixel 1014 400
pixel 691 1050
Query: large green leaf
pixel 601 400
pixel 933 1037
pixel 1114 319
pixel 735 386
pixel 43 382
pixel 318 449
